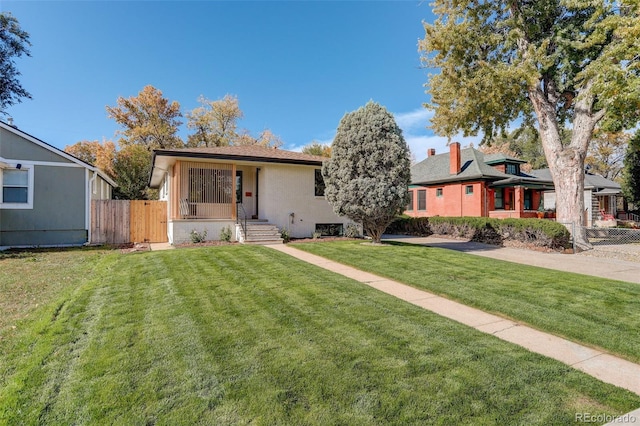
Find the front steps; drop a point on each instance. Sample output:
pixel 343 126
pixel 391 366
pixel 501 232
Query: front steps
pixel 261 233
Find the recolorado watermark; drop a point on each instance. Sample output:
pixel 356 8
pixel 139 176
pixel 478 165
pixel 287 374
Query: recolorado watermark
pixel 605 418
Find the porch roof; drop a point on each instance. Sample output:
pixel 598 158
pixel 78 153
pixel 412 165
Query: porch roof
pixel 162 158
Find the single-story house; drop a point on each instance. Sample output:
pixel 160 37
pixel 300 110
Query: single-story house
pixel 46 193
pixel 467 182
pixel 242 187
pixel 601 196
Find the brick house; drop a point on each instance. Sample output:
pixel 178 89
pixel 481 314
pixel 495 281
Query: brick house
pixel 467 182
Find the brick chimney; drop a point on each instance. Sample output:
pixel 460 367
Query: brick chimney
pixel 431 151
pixel 454 158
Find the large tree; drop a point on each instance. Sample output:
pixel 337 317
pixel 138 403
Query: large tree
pixel 631 174
pixel 131 167
pixel 606 153
pixel 102 155
pixel 14 42
pixel 573 63
pixel 317 148
pixel 148 119
pixel 215 123
pixel 368 174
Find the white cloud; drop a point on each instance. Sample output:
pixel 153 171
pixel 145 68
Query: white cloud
pixel 413 120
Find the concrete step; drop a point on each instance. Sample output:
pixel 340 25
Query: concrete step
pixel 264 242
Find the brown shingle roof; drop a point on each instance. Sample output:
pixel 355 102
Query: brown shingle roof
pixel 250 152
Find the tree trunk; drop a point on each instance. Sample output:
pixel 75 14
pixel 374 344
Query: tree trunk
pixel 566 163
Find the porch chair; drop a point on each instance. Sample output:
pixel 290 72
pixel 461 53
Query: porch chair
pixel 185 210
pixel 606 216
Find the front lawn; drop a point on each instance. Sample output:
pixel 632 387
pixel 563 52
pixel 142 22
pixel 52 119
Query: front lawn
pixel 590 310
pixel 245 334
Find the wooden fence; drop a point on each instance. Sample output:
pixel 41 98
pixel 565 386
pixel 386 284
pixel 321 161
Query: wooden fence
pixel 126 221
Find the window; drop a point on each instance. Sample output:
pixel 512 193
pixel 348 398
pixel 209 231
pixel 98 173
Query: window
pixel 422 199
pixel 17 188
pixel 468 190
pixel 319 184
pixel 499 199
pixel 410 203
pixel 238 186
pixel 438 192
pixel 330 229
pixel 513 169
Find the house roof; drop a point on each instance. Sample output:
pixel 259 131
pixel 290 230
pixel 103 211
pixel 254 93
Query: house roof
pixel 435 169
pixel 57 151
pixel 591 181
pixel 245 153
pixel 501 158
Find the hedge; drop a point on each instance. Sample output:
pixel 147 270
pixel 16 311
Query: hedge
pixel 535 232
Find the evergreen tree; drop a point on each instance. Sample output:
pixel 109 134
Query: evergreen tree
pixel 368 174
pixel 13 44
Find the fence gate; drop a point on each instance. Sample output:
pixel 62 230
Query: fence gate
pixel 148 221
pixel 124 221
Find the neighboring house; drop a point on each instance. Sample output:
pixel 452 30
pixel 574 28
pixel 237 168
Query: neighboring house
pixel 466 182
pixel 214 188
pixel 46 193
pixel 600 196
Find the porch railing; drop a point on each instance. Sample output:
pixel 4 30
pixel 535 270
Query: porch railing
pixel 241 221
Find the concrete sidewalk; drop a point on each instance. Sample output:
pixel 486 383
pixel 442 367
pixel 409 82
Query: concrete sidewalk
pixel 608 368
pixel 595 266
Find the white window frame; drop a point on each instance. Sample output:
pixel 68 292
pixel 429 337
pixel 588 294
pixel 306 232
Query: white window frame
pixel 17 206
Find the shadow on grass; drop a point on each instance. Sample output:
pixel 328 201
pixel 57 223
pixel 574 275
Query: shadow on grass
pixel 17 253
pixel 457 245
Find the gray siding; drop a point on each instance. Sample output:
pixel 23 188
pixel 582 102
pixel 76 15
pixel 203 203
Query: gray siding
pixel 58 214
pixel 15 147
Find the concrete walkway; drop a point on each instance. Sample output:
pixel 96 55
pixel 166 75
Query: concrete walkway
pixel 598 267
pixel 608 368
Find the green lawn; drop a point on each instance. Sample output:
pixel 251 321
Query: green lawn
pixel 594 311
pixel 244 334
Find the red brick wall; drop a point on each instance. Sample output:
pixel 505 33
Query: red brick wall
pixel 454 200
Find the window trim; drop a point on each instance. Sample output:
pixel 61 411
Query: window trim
pixel 28 167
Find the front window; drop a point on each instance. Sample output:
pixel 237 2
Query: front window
pixel 17 188
pixel 499 199
pixel 439 192
pixel 468 190
pixel 422 199
pixel 319 184
pixel 410 204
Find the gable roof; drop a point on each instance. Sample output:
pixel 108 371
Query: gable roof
pixel 435 169
pixel 591 181
pixel 501 158
pixel 55 150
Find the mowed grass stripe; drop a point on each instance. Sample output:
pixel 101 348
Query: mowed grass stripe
pixel 239 334
pixel 593 311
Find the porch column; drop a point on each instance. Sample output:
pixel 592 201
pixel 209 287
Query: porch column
pixel 519 199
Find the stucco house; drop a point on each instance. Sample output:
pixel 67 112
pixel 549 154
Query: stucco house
pixel 601 197
pixel 467 182
pixel 46 193
pixel 256 191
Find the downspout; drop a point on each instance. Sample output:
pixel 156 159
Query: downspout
pixel 88 204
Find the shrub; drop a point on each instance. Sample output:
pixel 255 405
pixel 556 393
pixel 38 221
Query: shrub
pixel 225 234
pixel 284 234
pixel 198 237
pixel 352 231
pixel 536 232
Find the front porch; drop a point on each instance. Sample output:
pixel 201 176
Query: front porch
pixel 521 201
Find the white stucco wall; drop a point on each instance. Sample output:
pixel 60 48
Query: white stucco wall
pixel 286 189
pixel 179 231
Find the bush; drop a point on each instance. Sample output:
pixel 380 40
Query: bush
pixel 352 231
pixel 225 234
pixel 536 232
pixel 198 237
pixel 284 234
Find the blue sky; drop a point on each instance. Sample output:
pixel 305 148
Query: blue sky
pixel 296 67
